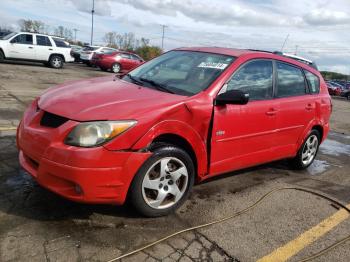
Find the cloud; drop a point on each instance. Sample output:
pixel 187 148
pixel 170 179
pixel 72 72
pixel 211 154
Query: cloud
pixel 325 17
pixel 207 11
pixel 102 7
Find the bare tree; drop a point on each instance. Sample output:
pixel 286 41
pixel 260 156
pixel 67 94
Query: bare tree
pixel 59 31
pixel 29 25
pixel 110 39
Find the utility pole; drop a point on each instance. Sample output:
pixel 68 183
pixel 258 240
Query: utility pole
pixel 296 50
pixel 92 21
pixel 75 34
pixel 163 27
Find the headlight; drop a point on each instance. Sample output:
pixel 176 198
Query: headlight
pixel 92 134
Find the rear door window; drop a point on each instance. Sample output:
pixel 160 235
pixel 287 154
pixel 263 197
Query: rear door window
pixel 254 78
pixel 290 81
pixel 43 40
pixel 25 39
pixel 313 81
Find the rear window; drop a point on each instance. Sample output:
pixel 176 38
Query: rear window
pixel 61 43
pixel 313 82
pixel 90 48
pixel 290 81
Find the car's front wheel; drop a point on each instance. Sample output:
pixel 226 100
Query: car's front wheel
pixel 308 151
pixel 56 61
pixel 163 182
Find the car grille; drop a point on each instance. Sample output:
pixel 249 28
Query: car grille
pixel 52 120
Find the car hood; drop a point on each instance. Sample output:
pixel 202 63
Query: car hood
pixel 104 99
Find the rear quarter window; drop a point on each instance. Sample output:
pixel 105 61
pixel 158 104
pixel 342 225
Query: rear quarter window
pixel 290 80
pixel 61 43
pixel 313 82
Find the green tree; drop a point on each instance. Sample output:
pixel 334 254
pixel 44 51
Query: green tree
pixel 148 52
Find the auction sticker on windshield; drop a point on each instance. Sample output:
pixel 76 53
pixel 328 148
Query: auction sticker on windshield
pixel 220 66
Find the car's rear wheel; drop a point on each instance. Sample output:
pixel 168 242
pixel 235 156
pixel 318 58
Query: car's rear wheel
pixel 163 182
pixel 56 61
pixel 308 151
pixel 116 68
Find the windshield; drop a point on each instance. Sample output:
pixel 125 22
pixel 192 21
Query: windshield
pixel 180 72
pixel 8 36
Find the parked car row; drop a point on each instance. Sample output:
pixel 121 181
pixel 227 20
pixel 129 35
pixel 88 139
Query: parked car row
pixel 335 88
pixel 55 51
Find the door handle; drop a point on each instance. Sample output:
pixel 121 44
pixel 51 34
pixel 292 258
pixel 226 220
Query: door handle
pixel 30 47
pixel 271 112
pixel 308 107
pixel 50 49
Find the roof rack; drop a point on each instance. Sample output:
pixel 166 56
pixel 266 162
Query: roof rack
pixel 297 58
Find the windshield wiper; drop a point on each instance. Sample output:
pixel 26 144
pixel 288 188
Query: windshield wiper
pixel 134 79
pixel 159 86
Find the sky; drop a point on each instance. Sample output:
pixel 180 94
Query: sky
pixel 315 29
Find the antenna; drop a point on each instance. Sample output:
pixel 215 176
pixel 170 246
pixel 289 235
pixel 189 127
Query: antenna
pixel 284 43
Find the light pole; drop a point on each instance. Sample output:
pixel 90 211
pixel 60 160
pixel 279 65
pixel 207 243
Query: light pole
pixel 75 34
pixel 163 27
pixel 92 21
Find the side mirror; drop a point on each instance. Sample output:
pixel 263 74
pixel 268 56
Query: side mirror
pixel 236 97
pixel 13 41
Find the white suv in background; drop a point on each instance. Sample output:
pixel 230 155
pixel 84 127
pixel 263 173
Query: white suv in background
pixel 88 52
pixel 52 51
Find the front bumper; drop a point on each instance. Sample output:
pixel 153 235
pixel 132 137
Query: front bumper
pixel 91 175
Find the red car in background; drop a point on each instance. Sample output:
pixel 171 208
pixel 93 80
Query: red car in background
pixel 117 61
pixel 334 89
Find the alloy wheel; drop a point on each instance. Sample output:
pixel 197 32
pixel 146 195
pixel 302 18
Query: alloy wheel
pixel 309 150
pixel 56 62
pixel 116 68
pixel 165 183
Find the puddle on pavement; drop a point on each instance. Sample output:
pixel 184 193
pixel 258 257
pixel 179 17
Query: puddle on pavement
pixel 334 148
pixel 318 167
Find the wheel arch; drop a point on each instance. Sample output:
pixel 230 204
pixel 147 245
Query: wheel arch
pixel 180 134
pixel 313 125
pixel 57 54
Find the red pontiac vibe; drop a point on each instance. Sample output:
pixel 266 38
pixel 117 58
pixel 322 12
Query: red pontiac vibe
pixel 185 116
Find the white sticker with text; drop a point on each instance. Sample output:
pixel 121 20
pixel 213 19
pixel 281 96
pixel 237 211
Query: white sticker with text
pixel 220 66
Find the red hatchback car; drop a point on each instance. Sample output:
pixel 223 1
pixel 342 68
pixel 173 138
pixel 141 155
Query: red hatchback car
pixel 117 61
pixel 185 116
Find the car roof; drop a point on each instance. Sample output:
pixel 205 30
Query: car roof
pixel 242 52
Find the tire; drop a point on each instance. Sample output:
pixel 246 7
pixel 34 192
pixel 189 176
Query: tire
pixel 2 57
pixel 307 152
pixel 116 68
pixel 347 97
pixel 56 62
pixel 154 193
